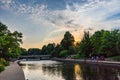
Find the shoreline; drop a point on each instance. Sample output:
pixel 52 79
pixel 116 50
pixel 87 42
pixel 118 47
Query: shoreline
pixel 89 62
pixel 12 72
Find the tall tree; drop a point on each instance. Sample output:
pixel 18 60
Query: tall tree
pixel 68 40
pixel 9 42
pixel 86 45
pixel 47 50
pixel 96 41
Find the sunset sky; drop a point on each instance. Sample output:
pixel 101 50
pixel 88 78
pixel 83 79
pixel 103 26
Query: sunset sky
pixel 46 21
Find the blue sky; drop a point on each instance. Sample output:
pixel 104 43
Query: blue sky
pixel 46 21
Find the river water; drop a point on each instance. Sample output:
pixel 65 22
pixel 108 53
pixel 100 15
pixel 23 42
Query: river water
pixel 52 70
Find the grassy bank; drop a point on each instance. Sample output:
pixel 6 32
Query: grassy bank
pixel 115 58
pixel 3 63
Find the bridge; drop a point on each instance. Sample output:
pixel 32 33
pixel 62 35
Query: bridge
pixel 38 57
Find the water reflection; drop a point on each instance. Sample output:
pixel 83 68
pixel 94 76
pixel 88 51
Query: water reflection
pixel 51 70
pixel 78 72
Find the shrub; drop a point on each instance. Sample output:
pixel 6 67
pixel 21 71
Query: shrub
pixel 2 68
pixel 63 53
pixel 116 58
pixel 78 56
pixel 4 62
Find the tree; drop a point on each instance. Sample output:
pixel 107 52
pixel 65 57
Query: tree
pixel 9 42
pixel 67 41
pixel 47 50
pixel 96 41
pixel 109 41
pixel 63 53
pixel 58 48
pixel 86 45
pixel 72 50
pixel 34 51
pixel 24 51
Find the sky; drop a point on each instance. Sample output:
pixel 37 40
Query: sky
pixel 46 21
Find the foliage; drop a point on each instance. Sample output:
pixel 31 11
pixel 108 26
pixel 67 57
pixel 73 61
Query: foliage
pixel 48 49
pixel 23 51
pixel 4 62
pixel 116 58
pixel 63 53
pixel 72 50
pixel 101 42
pixel 34 51
pixel 58 48
pixel 67 41
pixel 86 45
pixel 106 42
pixel 9 41
pixel 2 68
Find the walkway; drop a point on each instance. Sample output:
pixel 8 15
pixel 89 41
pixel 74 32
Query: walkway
pixel 12 72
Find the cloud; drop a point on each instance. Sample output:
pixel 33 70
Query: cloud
pixel 6 3
pixel 92 13
pixel 89 15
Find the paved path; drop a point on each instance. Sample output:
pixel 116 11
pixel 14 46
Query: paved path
pixel 12 72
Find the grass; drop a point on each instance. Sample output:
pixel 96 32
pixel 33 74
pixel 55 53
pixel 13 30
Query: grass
pixel 2 68
pixel 115 58
pixel 3 63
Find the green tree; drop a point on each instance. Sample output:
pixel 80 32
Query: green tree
pixel 34 51
pixel 63 53
pixel 58 48
pixel 67 41
pixel 109 41
pixel 72 50
pixel 86 45
pixel 24 51
pixel 9 42
pixel 48 50
pixel 96 41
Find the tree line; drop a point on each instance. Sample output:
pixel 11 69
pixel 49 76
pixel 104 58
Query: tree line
pixel 105 42
pixel 101 42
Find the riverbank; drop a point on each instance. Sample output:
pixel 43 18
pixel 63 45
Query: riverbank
pixel 12 72
pixel 94 62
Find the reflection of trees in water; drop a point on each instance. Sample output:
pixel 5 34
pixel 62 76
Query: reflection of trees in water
pixel 53 69
pixel 68 72
pixel 82 72
pixel 65 70
pixel 99 73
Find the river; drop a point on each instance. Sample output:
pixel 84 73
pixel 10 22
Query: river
pixel 52 70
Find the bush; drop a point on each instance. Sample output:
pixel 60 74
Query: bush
pixel 63 53
pixel 78 56
pixel 2 68
pixel 4 62
pixel 116 58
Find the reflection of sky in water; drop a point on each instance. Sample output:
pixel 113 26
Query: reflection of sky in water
pixel 36 71
pixel 52 70
pixel 78 72
pixel 118 75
